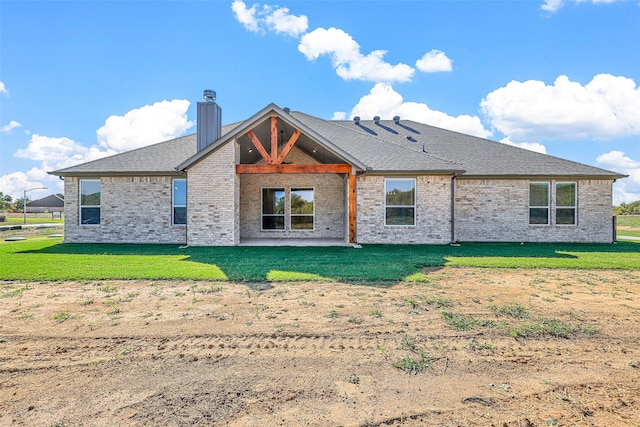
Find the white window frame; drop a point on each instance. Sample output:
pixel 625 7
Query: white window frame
pixel 574 207
pixel 547 207
pixel 173 201
pixel 313 215
pixel 81 206
pixel 414 206
pixel 283 215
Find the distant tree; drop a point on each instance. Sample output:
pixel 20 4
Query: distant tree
pixel 18 204
pixel 632 208
pixel 6 202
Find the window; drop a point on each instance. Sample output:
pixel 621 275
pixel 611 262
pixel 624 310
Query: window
pixel 302 208
pixel 273 202
pixel 90 201
pixel 539 203
pixel 400 202
pixel 179 203
pixel 566 203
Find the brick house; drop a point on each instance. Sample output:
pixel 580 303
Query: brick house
pixel 288 175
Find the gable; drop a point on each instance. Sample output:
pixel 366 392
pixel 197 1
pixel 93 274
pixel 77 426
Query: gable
pixel 270 134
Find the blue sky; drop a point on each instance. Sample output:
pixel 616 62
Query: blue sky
pixel 83 79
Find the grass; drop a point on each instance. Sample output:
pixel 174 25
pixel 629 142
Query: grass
pixel 414 364
pixel 515 311
pixel 549 328
pixel 461 322
pixel 18 219
pixel 632 233
pixel 40 258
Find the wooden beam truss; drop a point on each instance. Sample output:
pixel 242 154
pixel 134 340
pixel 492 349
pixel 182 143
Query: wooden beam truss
pixel 274 165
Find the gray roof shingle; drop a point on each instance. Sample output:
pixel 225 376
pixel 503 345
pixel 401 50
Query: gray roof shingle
pixel 383 147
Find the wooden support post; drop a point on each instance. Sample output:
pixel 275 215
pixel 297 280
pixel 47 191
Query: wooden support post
pixel 274 139
pixel 352 208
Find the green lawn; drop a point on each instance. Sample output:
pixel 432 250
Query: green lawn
pixel 41 258
pixel 634 233
pixel 18 219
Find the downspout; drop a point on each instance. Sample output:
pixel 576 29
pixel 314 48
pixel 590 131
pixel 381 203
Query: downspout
pixel 453 209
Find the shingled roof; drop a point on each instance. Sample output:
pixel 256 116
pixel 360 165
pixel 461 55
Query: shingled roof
pixel 384 146
pixel 476 156
pixel 51 201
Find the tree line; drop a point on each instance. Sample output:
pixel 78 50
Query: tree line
pixel 7 204
pixel 632 208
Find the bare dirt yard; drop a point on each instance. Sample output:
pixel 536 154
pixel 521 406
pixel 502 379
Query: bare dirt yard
pixel 465 347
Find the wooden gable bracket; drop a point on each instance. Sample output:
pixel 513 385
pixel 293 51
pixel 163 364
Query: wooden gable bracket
pixel 259 147
pixel 274 158
pixel 288 147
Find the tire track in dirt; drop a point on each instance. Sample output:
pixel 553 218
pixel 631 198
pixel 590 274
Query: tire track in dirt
pixel 54 352
pixel 25 354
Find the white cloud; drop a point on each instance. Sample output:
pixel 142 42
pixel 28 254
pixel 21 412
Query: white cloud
pixel 281 21
pixel 8 128
pixel 434 61
pixel 626 190
pixel 246 16
pixel 45 148
pixel 385 102
pixel 617 160
pixel 139 127
pixel 3 88
pixel 607 107
pixel 145 125
pixel 339 115
pixel 346 58
pixel 15 183
pixel 276 19
pixel 531 146
pixel 58 153
pixel 551 5
pixel 554 5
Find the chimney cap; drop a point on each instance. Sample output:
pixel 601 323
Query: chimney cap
pixel 209 95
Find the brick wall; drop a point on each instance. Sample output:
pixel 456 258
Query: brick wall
pixel 330 205
pixel 133 209
pixel 497 210
pixel 433 212
pixel 213 194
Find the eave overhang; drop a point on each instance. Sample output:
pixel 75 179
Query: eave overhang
pixel 94 174
pixel 456 172
pixel 613 176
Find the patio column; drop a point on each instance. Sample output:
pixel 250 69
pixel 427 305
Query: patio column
pixel 352 207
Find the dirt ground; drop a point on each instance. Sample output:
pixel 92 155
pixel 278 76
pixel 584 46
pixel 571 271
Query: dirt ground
pixel 325 354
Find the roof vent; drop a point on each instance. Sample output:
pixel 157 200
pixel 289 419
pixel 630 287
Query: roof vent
pixel 209 95
pixel 376 119
pixel 287 110
pixel 396 120
pixel 356 120
pixel 410 138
